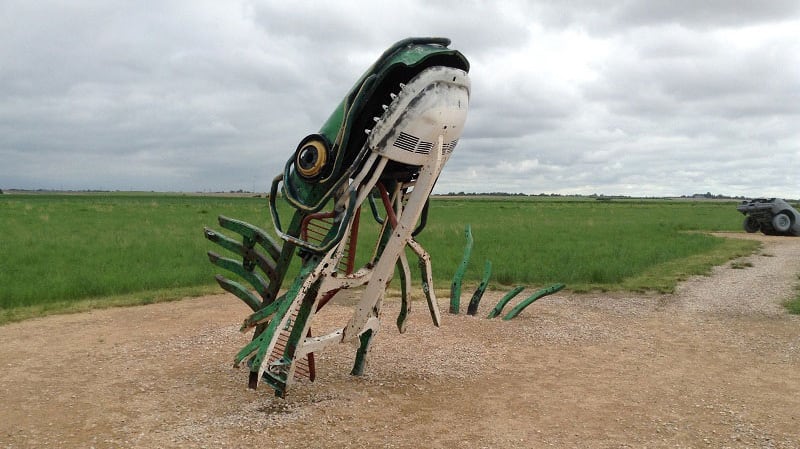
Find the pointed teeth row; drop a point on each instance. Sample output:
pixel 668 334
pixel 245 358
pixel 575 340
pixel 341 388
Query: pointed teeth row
pixel 393 96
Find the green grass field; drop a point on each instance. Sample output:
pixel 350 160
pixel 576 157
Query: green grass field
pixel 587 244
pixel 70 252
pixel 61 248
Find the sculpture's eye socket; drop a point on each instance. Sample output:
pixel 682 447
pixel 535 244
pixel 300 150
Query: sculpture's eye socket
pixel 311 158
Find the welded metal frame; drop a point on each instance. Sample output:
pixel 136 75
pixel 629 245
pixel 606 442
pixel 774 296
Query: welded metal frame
pixel 399 161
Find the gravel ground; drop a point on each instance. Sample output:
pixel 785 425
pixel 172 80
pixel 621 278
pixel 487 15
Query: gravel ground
pixel 717 364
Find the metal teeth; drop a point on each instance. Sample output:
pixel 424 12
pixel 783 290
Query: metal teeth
pixel 384 107
pixel 393 96
pixel 376 119
pixel 402 86
pixel 367 131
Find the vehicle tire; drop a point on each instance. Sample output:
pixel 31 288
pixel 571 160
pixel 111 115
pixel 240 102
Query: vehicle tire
pixel 781 222
pixel 751 225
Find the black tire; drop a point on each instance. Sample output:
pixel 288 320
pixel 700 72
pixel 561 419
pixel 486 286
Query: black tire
pixel 781 222
pixel 751 225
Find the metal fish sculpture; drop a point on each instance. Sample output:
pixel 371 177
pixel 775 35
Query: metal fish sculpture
pixel 384 145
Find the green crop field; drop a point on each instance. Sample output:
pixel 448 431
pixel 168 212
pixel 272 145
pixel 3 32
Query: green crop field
pixel 587 244
pixel 70 252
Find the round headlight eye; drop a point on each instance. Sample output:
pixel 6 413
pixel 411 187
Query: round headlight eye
pixel 311 159
pixel 308 158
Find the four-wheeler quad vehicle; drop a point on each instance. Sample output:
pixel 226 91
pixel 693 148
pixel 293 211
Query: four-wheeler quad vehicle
pixel 772 216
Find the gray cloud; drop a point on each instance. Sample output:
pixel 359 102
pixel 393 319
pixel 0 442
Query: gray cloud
pixel 632 97
pixel 618 16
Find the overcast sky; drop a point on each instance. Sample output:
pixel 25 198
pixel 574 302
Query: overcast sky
pixel 650 97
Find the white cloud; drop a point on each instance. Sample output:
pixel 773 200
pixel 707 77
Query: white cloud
pixel 634 97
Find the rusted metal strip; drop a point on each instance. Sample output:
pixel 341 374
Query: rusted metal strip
pixel 316 227
pixel 352 243
pixel 258 346
pixel 279 372
pixel 302 366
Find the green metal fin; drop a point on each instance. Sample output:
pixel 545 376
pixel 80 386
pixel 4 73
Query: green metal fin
pixel 249 255
pixel 504 300
pixel 254 233
pixel 361 354
pixel 239 291
pixel 405 286
pixel 455 288
pixel 261 315
pixel 236 267
pixel 530 300
pixel 472 309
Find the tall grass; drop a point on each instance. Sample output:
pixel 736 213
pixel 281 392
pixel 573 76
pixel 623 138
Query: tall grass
pixel 585 244
pixel 65 247
pixel 61 248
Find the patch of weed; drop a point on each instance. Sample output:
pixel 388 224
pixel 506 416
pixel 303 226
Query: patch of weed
pixel 793 305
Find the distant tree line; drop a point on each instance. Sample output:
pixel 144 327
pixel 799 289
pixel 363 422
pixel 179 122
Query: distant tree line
pixel 554 195
pixel 707 195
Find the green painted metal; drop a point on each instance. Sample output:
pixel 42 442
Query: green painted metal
pixel 234 266
pixel 278 374
pixel 455 287
pixel 262 315
pixel 240 291
pixel 472 309
pixel 504 300
pixel 250 257
pixel 530 300
pixel 251 233
pixel 258 347
pixel 361 355
pixel 273 262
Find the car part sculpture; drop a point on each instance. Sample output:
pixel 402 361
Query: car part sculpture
pixel 388 138
pixel 772 216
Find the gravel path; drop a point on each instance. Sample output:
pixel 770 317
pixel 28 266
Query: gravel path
pixel 717 364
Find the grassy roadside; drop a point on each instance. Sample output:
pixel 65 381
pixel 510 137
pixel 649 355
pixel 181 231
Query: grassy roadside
pixel 665 277
pixel 662 278
pixel 71 253
pixel 793 305
pixel 11 315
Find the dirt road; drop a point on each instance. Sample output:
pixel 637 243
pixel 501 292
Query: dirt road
pixel 715 365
